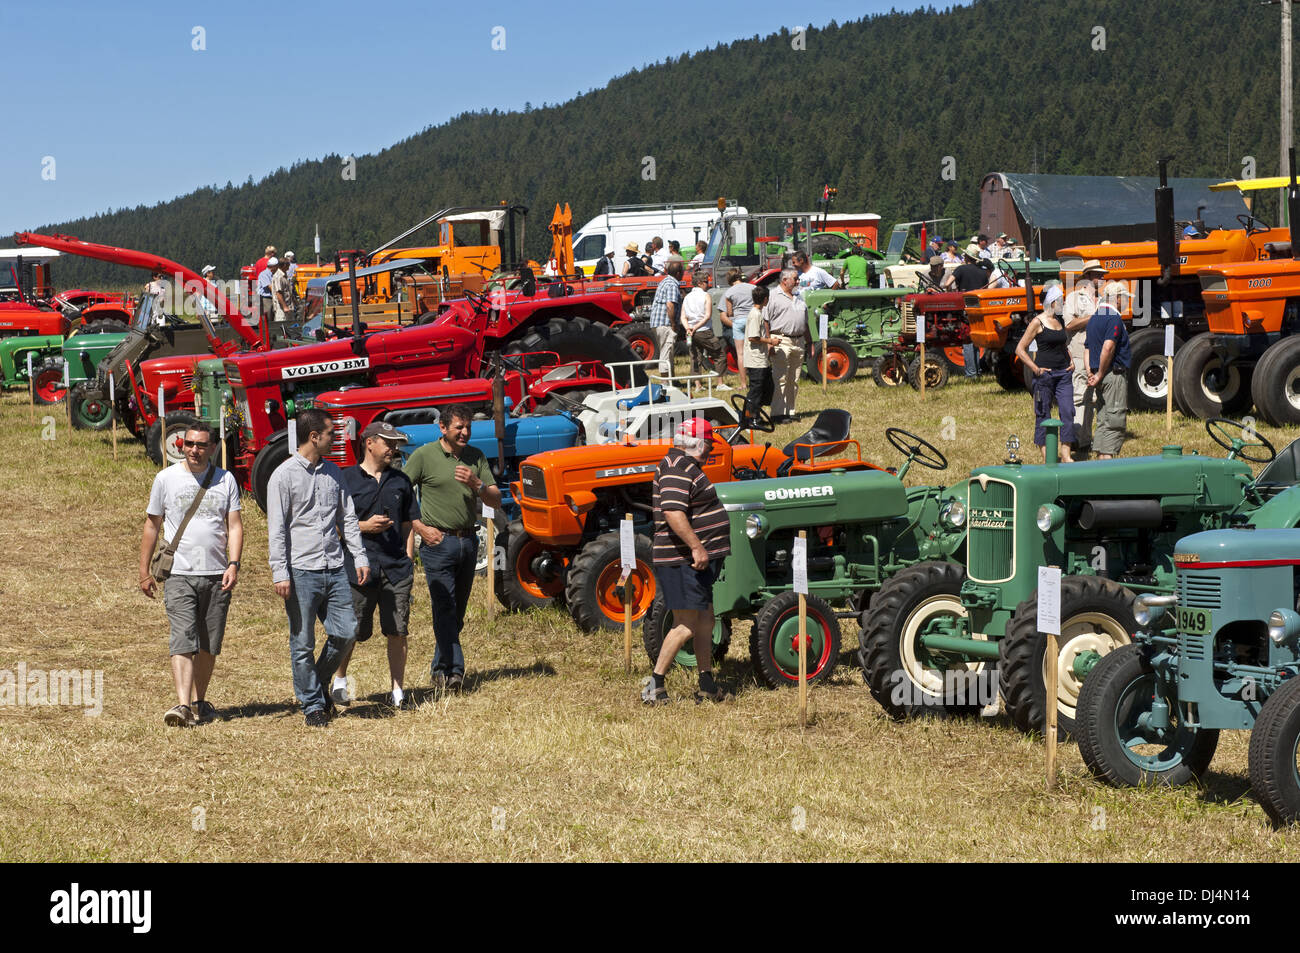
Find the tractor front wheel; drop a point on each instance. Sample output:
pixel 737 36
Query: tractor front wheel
pixel 936 371
pixel 774 640
pixel 592 585
pixel 1096 616
pixel 526 582
pixel 659 622
pixel 1115 741
pixel 1148 375
pixel 906 678
pixel 90 410
pixel 1276 384
pixel 162 446
pixel 841 361
pixel 1008 371
pixel 889 370
pixel 49 387
pixel 1274 743
pixel 268 458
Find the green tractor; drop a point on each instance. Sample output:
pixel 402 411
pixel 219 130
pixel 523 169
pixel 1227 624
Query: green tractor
pixel 14 355
pixel 1111 527
pixel 69 363
pixel 862 327
pixel 863 525
pixel 1218 653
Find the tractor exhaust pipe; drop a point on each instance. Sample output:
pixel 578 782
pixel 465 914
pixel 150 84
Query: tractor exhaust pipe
pixel 1166 242
pixel 1113 514
pixel 1293 203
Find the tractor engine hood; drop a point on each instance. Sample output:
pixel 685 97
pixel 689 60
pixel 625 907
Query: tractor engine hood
pixel 834 497
pixel 1215 547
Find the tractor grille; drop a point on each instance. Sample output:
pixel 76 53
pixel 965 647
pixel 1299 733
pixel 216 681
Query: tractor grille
pixel 908 314
pixel 534 482
pixel 338 451
pixel 1200 590
pixel 1193 648
pixel 991 535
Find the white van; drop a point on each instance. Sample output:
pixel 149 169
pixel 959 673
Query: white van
pixel 617 225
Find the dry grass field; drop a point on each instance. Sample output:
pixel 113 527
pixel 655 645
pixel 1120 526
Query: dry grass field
pixel 549 754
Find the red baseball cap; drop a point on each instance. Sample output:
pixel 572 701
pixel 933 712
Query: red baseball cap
pixel 696 427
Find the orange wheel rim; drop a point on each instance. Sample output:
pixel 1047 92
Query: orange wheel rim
pixel 641 582
pixel 837 364
pixel 528 582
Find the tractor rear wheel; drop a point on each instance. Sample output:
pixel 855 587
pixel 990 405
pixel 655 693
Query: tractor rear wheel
pixel 1276 383
pixel 903 676
pixel 659 621
pixel 520 586
pixel 268 458
pixel 577 339
pixel 774 640
pixel 161 445
pixel 889 370
pixel 841 361
pixel 591 587
pixel 1113 740
pixel 1148 373
pixel 1205 387
pixel 1096 616
pixel 936 371
pixel 90 410
pixel 641 338
pixel 1272 757
pixel 48 377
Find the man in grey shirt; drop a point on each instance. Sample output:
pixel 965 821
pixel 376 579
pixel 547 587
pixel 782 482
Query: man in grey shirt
pixel 307 509
pixel 787 317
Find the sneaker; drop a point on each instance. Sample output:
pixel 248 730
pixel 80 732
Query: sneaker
pixel 717 695
pixel 438 680
pixel 179 717
pixel 723 387
pixel 204 712
pixel 653 696
pixel 317 719
pixel 339 695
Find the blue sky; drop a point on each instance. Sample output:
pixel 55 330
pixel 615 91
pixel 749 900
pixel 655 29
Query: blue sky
pixel 130 113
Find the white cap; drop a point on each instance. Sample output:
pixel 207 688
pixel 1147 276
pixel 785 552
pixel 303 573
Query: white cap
pixel 288 254
pixel 208 268
pixel 272 262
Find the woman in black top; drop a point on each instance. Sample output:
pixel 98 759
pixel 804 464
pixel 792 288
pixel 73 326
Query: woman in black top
pixel 1052 370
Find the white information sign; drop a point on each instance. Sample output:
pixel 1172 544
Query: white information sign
pixel 626 546
pixel 1049 600
pixel 800 561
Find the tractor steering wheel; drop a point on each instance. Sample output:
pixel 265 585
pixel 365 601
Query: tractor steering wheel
pixel 1251 224
pixel 921 451
pixel 762 421
pixel 1217 428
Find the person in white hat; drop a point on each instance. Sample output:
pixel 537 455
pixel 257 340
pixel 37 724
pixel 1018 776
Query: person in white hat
pixel 1049 361
pixel 1077 309
pixel 200 301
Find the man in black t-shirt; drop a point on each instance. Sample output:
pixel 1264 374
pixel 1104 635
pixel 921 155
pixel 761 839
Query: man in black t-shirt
pixel 385 503
pixel 968 276
pixel 692 538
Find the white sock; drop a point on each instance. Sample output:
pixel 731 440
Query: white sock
pixel 340 681
pixel 398 695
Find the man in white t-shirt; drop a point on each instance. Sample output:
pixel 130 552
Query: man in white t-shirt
pixel 697 319
pixel 659 257
pixel 206 566
pixel 811 277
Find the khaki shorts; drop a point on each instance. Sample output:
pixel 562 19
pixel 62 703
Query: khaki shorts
pixel 391 595
pixel 196 608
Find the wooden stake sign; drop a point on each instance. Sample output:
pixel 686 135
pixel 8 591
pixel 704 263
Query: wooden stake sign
pixel 31 386
pixel 1049 622
pixel 920 343
pixel 1169 377
pixel 799 563
pixel 489 516
pixel 627 562
pixel 114 427
pixel 822 328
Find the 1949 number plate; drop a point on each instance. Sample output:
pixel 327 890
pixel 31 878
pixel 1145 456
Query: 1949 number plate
pixel 1194 621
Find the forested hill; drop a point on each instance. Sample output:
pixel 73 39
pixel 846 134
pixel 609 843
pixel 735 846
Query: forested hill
pixel 872 107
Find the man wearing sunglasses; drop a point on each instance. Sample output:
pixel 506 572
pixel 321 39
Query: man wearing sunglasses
pixel 197 593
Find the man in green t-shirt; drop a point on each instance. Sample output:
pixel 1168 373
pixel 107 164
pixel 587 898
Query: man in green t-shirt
pixel 855 272
pixel 451 476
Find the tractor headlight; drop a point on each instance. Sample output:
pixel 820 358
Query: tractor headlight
pixel 1283 625
pixel 1050 517
pixel 954 515
pixel 755 525
pixel 1150 607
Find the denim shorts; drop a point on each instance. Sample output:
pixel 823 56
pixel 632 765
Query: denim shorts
pixel 686 588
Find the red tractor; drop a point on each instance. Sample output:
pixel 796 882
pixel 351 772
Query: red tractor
pixel 29 307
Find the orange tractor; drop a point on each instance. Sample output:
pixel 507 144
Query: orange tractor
pixel 565 548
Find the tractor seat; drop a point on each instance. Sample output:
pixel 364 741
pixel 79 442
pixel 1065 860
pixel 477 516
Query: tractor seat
pixel 1278 249
pixel 1284 469
pixel 558 289
pixel 830 426
pixel 648 395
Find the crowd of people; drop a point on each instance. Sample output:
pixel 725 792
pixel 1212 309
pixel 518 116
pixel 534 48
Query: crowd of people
pixel 340 544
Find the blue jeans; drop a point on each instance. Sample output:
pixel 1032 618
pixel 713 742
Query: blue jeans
pixel 970 356
pixel 1055 386
pixel 449 571
pixel 327 594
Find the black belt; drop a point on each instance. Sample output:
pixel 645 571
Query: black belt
pixel 462 533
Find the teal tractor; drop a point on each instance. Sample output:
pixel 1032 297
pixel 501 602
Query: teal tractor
pixel 862 525
pixel 73 361
pixel 1111 527
pixel 213 405
pixel 862 328
pixel 1218 653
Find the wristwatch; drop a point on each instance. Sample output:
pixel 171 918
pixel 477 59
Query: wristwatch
pixel 233 562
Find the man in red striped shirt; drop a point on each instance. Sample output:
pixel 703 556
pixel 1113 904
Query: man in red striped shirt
pixel 692 538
